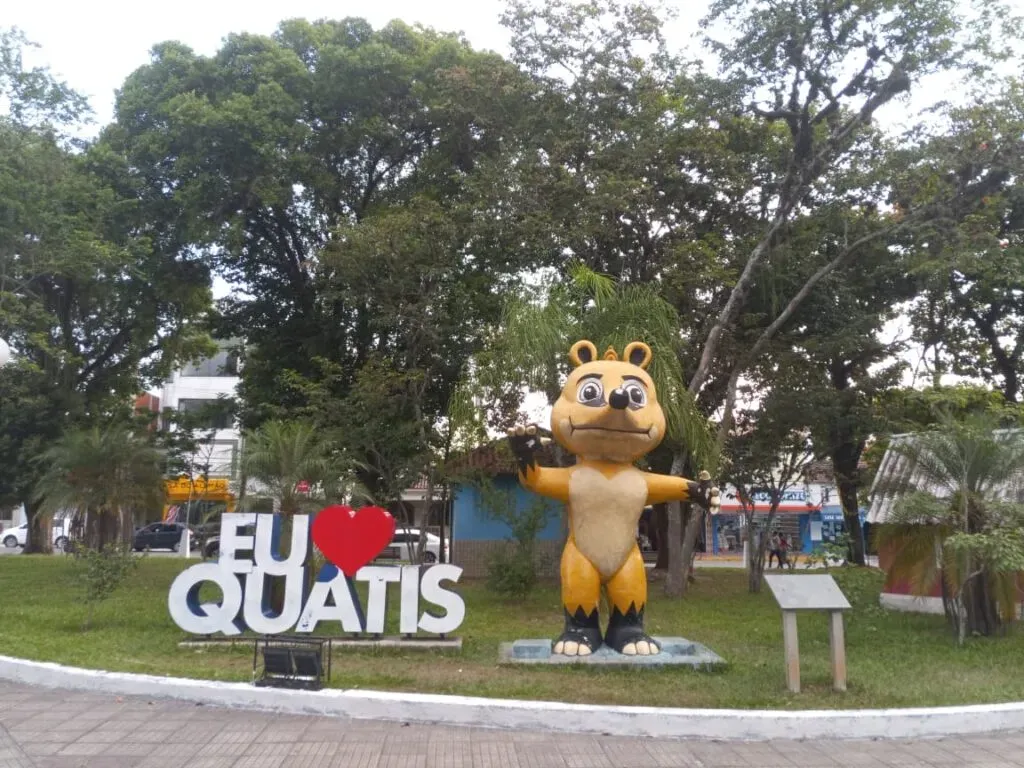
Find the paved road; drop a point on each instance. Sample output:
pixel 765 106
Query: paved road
pixel 152 553
pixel 60 729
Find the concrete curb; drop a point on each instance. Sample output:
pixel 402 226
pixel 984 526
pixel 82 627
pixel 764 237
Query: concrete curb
pixel 720 724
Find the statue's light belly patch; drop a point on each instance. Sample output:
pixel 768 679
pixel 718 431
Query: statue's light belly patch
pixel 603 513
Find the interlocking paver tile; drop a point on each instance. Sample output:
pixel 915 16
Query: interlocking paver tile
pixel 104 735
pixel 82 748
pixel 259 762
pixel 212 762
pixel 402 761
pixel 11 753
pixel 322 749
pixel 668 755
pixel 271 749
pixel 449 755
pixel 129 749
pixel 356 755
pixel 156 761
pixel 538 756
pixel 494 754
pixel 221 749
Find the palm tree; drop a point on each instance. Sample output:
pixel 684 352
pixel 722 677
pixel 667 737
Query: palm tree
pixel 299 469
pixel 103 475
pixel 535 337
pixel 951 523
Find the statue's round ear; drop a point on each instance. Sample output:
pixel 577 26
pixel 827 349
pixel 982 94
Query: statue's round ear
pixel 582 352
pixel 638 354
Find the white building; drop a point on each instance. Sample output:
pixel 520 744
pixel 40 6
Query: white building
pixel 196 386
pixel 199 385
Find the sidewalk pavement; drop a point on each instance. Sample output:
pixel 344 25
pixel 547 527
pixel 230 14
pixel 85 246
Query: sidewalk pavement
pixel 43 728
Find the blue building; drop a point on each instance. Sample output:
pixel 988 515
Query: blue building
pixel 478 530
pixel 808 516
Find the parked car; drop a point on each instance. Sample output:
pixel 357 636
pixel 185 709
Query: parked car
pixel 158 536
pixel 404 543
pixel 211 545
pixel 16 537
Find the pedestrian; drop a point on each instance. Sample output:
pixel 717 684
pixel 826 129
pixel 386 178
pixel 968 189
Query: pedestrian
pixel 773 548
pixel 783 552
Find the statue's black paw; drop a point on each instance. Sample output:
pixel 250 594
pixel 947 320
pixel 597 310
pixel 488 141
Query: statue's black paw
pixel 626 633
pixel 577 642
pixel 633 644
pixel 582 635
pixel 704 494
pixel 524 442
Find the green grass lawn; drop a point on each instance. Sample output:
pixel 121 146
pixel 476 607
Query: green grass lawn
pixel 894 659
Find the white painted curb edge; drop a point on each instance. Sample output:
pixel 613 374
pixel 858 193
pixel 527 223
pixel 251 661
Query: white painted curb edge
pixel 724 724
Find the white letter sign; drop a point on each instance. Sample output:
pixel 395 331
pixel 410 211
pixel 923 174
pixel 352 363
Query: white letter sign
pixel 251 566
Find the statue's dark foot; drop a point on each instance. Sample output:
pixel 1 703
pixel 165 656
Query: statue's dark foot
pixel 582 635
pixel 626 633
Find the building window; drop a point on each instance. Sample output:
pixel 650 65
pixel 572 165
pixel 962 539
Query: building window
pixel 206 413
pixel 223 364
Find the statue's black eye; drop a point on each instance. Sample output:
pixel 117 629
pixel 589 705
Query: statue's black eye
pixel 637 394
pixel 590 392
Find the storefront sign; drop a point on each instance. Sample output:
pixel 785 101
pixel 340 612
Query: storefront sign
pixel 791 495
pixel 350 540
pixel 184 486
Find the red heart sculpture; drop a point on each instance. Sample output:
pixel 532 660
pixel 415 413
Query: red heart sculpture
pixel 352 538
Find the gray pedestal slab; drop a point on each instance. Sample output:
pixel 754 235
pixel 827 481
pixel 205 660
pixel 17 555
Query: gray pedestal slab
pixel 675 651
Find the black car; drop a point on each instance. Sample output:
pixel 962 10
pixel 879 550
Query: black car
pixel 211 544
pixel 158 536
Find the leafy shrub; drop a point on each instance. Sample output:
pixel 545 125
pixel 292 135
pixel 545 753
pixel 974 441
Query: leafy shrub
pixel 512 570
pixel 830 552
pixel 102 572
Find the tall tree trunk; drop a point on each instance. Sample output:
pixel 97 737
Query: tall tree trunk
pixel 757 549
pixel 659 538
pixel 691 535
pixel 675 579
pixel 681 552
pixel 845 459
pixel 39 533
pixel 851 517
pixel 127 525
pixel 755 557
pixel 981 614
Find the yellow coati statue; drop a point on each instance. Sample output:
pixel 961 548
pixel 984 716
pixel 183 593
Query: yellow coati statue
pixel 608 416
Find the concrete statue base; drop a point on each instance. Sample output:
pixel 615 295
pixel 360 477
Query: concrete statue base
pixel 675 651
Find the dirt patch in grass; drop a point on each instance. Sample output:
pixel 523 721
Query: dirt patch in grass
pixel 894 659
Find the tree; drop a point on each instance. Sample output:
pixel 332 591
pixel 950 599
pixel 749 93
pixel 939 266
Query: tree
pixel 970 317
pixel 286 457
pixel 301 471
pixel 797 97
pixel 830 357
pixel 93 305
pixel 334 172
pixel 103 476
pixel 768 453
pixel 949 524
